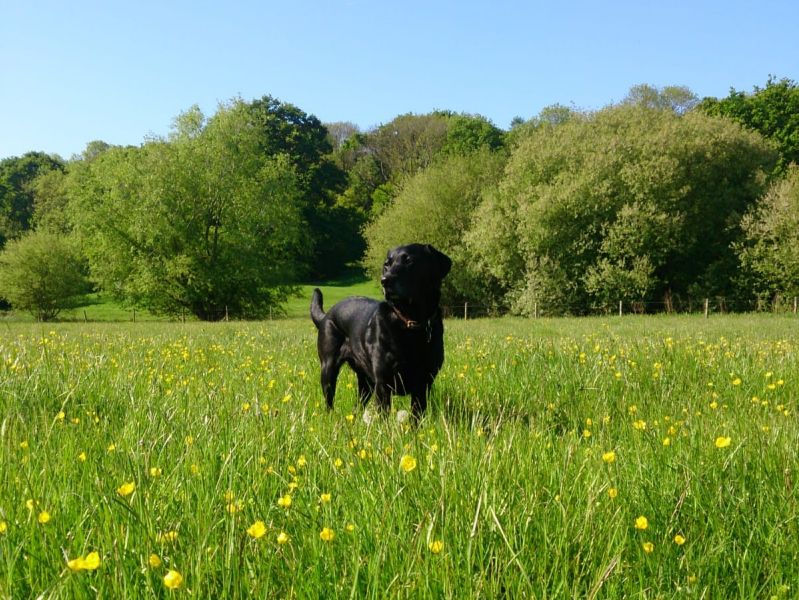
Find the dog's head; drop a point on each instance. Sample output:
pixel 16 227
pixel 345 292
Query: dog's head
pixel 412 277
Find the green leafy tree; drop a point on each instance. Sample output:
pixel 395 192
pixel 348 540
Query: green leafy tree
pixel 769 250
pixel 42 273
pixel 436 207
pixel 772 111
pixel 16 197
pixel 630 199
pixel 203 222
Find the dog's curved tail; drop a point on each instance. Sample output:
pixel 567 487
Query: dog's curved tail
pixel 317 312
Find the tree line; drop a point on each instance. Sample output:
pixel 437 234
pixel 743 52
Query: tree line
pixel 659 197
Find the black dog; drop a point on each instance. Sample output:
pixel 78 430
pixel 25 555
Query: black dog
pixel 396 346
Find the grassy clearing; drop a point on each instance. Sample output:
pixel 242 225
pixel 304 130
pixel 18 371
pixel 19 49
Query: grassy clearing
pixel 162 446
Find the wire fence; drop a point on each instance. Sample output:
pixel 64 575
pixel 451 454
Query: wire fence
pixel 467 310
pixel 701 306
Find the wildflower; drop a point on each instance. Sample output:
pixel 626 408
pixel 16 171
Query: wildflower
pixel 586 433
pixel 283 538
pixel 257 530
pixel 169 536
pixel 736 381
pixel 350 527
pixel 649 547
pixel 234 507
pixel 173 580
pixel 338 463
pixel 327 534
pixel 609 457
pixel 613 492
pixel 723 442
pixel 44 517
pixel 126 489
pixel 88 563
pixel 284 501
pixel 155 472
pixel 82 457
pixel 301 462
pixel 640 425
pixel 154 561
pixel 111 448
pixel 667 441
pixel 407 463
pixel 3 526
pixel 23 445
pixel 641 523
pixel 60 416
pixel 679 540
pixel 436 546
pixel 325 498
pixel 195 470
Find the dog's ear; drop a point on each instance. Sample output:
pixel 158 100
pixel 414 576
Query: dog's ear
pixel 443 262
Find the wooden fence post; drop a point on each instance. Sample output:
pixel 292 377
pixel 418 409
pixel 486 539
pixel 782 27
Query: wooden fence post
pixel 535 310
pixel 795 304
pixel 707 307
pixel 465 310
pixel 620 307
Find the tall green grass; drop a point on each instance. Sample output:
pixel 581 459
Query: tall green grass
pixel 514 492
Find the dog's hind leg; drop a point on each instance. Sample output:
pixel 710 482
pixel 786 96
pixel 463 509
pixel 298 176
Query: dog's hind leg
pixel 364 389
pixel 329 376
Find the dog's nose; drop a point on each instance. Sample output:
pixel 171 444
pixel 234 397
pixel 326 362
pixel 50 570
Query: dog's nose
pixel 386 279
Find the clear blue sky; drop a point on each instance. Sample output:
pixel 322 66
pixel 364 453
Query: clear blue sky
pixel 76 71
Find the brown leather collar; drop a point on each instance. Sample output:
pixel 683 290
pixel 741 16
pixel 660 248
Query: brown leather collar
pixel 409 323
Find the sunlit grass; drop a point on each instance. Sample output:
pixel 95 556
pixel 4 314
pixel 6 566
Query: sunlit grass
pixel 198 458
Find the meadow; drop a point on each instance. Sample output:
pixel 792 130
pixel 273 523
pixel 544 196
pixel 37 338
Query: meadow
pixel 633 457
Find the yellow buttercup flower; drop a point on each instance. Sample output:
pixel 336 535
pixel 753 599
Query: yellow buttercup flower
pixel 155 472
pixel 257 530
pixel 613 492
pixel 283 538
pixel 679 540
pixel 641 523
pixel 82 457
pixel 436 546
pixel 173 579
pixel 723 442
pixel 126 489
pixel 649 547
pixel 609 457
pixel 44 517
pixel 3 526
pixel 284 501
pixel 325 498
pixel 154 561
pixel 327 534
pixel 407 463
pixel 88 563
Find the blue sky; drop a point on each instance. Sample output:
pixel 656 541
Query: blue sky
pixel 76 71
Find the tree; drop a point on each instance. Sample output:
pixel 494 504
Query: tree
pixel 206 223
pixel 305 141
pixel 676 98
pixel 16 198
pixel 469 133
pixel 42 273
pixel 628 200
pixel 435 207
pixel 769 250
pixel 772 111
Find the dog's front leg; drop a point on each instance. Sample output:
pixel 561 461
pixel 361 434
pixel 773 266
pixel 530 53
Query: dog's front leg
pixel 418 403
pixel 383 397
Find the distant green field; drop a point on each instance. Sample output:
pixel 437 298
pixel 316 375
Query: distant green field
pixel 100 307
pixel 620 457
